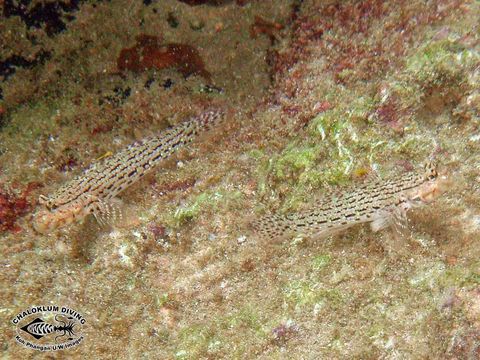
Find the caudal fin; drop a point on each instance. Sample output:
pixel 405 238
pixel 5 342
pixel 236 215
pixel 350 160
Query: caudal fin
pixel 273 227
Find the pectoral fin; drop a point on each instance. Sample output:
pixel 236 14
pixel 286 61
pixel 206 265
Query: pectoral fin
pixel 108 212
pixel 381 221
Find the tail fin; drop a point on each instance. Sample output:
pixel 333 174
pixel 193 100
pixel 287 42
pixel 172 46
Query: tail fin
pixel 186 132
pixel 207 120
pixel 273 226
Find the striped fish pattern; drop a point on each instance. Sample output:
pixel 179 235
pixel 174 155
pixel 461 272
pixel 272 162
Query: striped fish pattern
pixel 93 191
pixel 382 203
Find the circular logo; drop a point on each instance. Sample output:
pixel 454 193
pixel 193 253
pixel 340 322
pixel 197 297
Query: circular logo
pixel 49 328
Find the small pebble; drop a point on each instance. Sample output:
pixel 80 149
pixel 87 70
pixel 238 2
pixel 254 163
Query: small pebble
pixel 196 24
pixel 241 239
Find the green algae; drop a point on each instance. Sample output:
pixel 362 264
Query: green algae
pixel 190 211
pixel 308 293
pixel 294 160
pixel 194 341
pixel 461 276
pixel 214 200
pixel 320 159
pixel 321 261
pixel 335 143
pixel 441 62
pixel 162 300
pixel 247 317
pixel 428 277
pixel 202 339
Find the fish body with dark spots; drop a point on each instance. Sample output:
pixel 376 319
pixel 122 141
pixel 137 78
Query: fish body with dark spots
pixel 94 191
pixel 382 203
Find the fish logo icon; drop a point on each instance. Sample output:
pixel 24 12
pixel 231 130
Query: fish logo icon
pixel 38 328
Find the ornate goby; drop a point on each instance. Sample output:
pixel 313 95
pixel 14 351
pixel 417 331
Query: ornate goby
pixel 381 203
pixel 92 192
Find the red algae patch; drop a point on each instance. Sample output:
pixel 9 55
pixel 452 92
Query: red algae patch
pixel 150 53
pixel 12 207
pixel 262 26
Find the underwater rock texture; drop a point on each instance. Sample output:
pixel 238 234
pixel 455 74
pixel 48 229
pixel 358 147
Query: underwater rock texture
pixel 323 95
